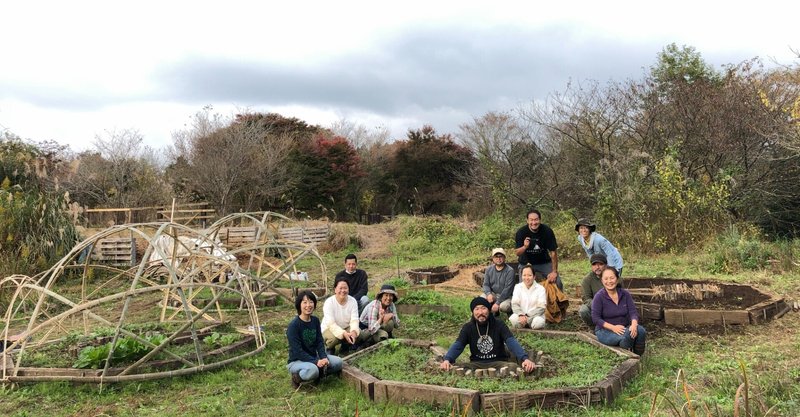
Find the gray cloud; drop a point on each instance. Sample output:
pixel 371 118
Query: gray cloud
pixel 431 69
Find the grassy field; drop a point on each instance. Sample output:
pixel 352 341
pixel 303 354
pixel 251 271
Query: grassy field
pixel 712 364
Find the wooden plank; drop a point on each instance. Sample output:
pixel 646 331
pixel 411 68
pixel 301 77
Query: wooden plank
pixel 763 312
pixel 497 403
pixel 684 317
pixel 452 398
pixel 650 311
pixel 361 381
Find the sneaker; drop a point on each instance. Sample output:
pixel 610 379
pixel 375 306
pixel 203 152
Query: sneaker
pixel 296 380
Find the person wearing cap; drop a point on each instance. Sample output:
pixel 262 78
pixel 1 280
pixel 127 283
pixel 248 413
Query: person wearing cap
pixel 537 246
pixel 340 318
pixel 308 359
pixel 379 317
pixel 528 302
pixel 357 280
pixel 487 338
pixel 590 285
pixel 498 283
pixel 594 243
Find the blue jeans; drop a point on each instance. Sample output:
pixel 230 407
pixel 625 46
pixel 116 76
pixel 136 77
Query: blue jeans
pixel 607 337
pixel 308 370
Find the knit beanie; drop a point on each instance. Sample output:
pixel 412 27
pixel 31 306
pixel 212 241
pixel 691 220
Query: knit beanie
pixel 479 301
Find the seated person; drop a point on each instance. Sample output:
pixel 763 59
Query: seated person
pixel 379 317
pixel 615 317
pixel 307 357
pixel 487 338
pixel 590 285
pixel 356 280
pixel 498 282
pixel 340 319
pixel 528 302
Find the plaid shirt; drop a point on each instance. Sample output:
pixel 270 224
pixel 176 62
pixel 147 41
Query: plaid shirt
pixel 372 316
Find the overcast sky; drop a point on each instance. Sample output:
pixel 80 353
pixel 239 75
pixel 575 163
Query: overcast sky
pixel 72 69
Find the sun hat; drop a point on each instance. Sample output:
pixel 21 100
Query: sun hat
pixel 583 221
pixel 387 289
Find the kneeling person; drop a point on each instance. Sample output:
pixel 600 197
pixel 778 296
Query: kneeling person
pixel 307 357
pixel 340 318
pixel 498 282
pixel 379 317
pixel 528 302
pixel 487 338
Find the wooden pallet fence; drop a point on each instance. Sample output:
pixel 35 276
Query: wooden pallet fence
pixel 310 235
pixel 115 251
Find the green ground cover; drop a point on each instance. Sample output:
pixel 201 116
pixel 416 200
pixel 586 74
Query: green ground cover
pixel 711 363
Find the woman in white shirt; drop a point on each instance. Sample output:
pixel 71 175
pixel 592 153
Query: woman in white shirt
pixel 528 302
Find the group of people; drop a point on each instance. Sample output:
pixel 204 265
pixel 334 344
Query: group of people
pixel 608 309
pixel 348 322
pixel 350 319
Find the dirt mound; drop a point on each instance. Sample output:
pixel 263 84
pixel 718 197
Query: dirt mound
pixel 377 239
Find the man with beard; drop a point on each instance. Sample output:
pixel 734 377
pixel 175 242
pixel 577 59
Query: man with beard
pixel 487 338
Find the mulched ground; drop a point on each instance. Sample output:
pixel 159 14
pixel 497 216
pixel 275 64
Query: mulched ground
pixel 734 296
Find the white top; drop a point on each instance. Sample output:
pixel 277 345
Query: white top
pixel 526 300
pixel 337 317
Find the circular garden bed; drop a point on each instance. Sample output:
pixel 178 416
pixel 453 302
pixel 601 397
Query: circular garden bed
pixel 574 369
pixel 686 303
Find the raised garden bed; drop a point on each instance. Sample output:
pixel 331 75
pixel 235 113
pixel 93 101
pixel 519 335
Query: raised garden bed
pixel 687 303
pixel 435 275
pixel 60 356
pixel 404 371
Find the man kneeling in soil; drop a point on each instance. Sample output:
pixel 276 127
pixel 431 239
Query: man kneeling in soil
pixel 379 318
pixel 487 338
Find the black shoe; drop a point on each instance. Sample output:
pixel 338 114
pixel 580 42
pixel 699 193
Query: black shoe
pixel 296 380
pixel 390 335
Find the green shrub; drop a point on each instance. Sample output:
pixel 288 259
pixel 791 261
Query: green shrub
pixel 741 248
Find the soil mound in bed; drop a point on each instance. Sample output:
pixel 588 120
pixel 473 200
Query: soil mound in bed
pixel 726 296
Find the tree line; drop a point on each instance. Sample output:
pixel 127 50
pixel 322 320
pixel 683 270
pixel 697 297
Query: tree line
pixel 660 161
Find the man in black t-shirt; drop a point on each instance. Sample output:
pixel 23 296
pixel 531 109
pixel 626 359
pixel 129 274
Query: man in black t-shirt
pixel 356 280
pixel 536 245
pixel 487 338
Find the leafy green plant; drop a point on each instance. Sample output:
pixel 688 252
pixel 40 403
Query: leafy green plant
pixel 127 349
pixel 216 339
pixel 426 297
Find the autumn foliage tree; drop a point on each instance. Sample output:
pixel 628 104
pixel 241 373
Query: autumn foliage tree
pixel 325 171
pixel 428 172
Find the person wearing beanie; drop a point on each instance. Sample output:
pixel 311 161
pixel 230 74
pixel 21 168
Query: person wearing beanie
pixel 357 280
pixel 379 317
pixel 594 243
pixel 487 338
pixel 498 282
pixel 590 285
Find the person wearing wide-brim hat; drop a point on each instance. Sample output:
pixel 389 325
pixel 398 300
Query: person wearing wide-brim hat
pixel 379 317
pixel 594 243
